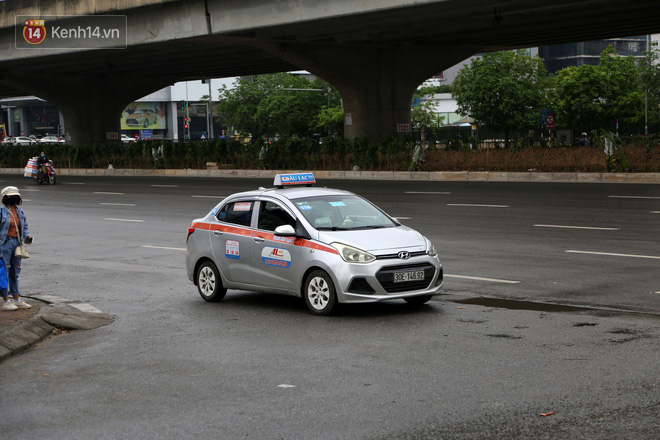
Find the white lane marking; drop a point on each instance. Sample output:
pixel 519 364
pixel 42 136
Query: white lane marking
pixel 578 227
pixel 74 183
pixel 30 190
pixel 165 186
pixel 427 192
pixel 613 254
pixel 492 280
pixel 401 218
pixel 124 220
pixel 118 204
pixel 655 212
pixel 162 247
pixel 477 205
pixel 633 197
pixel 109 193
pixel 209 197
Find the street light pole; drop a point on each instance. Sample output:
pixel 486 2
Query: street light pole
pixel 209 113
pixel 646 93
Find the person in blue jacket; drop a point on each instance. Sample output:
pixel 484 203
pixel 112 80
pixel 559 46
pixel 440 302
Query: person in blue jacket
pixel 12 225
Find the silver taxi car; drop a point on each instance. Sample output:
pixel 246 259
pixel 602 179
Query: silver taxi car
pixel 327 246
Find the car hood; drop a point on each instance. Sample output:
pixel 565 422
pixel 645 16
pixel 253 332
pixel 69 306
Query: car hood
pixel 377 241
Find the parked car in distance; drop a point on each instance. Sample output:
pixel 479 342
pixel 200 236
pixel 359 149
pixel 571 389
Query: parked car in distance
pixel 127 139
pixel 7 141
pixel 51 140
pixel 24 140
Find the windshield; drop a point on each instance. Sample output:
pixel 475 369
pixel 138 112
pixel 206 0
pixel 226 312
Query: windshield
pixel 341 213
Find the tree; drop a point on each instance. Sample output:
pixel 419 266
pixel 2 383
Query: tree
pixel 502 90
pixel 650 77
pixel 593 97
pixel 422 114
pixel 330 120
pixel 277 104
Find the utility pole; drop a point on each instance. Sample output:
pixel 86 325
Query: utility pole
pixel 186 130
pixel 209 113
pixel 646 91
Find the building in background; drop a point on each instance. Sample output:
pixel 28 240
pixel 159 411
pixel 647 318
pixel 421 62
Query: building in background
pixel 560 56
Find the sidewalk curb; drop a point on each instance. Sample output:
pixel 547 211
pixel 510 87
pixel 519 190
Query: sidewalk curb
pixel 438 176
pixel 24 335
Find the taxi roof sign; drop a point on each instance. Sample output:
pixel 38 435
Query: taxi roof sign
pixel 282 180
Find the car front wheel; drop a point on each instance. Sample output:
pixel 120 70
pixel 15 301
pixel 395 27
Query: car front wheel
pixel 209 283
pixel 319 293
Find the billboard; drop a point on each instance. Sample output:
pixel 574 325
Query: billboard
pixel 144 115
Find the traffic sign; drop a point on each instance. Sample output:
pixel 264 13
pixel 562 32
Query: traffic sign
pixel 550 121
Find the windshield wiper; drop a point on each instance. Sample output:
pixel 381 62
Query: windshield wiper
pixel 333 228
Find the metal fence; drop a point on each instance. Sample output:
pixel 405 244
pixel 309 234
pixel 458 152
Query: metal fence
pixel 484 137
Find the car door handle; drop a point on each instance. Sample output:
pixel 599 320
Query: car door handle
pixel 217 233
pixel 258 239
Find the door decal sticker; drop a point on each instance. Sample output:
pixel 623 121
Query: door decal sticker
pixel 232 249
pixel 276 257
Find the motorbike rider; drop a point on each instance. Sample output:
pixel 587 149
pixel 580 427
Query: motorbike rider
pixel 41 163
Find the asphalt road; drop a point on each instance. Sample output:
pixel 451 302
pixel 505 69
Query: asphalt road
pixel 260 366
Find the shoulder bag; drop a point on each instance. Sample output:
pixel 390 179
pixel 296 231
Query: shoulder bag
pixel 21 251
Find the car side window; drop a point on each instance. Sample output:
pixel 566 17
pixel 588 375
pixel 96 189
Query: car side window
pixel 239 213
pixel 272 215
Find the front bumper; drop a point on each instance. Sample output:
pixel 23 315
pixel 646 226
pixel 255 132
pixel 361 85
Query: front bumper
pixel 374 282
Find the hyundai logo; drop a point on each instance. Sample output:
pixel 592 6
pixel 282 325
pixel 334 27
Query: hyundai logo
pixel 403 255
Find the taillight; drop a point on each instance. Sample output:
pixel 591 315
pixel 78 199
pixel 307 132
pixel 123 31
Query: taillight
pixel 190 231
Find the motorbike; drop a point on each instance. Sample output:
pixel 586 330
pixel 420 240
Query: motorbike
pixel 48 176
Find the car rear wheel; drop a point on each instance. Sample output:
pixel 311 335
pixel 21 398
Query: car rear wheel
pixel 418 300
pixel 209 283
pixel 319 293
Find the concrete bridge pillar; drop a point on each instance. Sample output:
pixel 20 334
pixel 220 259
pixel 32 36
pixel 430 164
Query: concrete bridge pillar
pixel 91 105
pixel 376 84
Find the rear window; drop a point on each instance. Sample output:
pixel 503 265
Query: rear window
pixel 238 213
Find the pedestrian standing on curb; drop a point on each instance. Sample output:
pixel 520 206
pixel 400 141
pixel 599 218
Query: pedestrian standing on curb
pixel 13 225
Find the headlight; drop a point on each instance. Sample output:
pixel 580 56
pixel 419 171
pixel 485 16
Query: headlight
pixel 430 249
pixel 353 255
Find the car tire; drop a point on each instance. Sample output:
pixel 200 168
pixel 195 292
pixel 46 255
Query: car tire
pixel 418 300
pixel 209 283
pixel 319 293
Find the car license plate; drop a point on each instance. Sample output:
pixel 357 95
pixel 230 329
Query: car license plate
pixel 401 277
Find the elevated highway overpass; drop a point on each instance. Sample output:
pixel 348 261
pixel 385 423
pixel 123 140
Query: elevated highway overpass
pixel 375 52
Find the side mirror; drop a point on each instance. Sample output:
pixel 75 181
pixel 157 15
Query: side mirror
pixel 285 231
